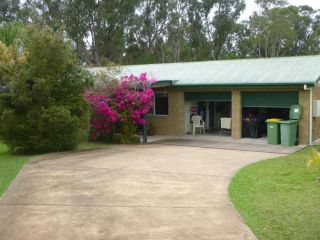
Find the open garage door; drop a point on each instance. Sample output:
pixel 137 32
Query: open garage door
pixel 259 106
pixel 270 99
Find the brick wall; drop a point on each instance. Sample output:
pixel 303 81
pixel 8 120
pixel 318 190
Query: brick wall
pixel 173 124
pixel 236 114
pixel 316 121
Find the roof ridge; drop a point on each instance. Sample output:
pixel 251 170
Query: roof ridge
pixel 226 60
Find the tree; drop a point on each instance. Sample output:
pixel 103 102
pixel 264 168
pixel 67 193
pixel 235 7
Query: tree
pixel 43 109
pixel 224 23
pixel 176 32
pixel 12 34
pixel 199 46
pixel 182 30
pixel 9 10
pixel 281 31
pixel 267 4
pixel 146 32
pixel 100 27
pixel 153 31
pixel 10 62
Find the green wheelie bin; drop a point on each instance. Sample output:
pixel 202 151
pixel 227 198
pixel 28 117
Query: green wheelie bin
pixel 289 132
pixel 273 130
pixel 289 128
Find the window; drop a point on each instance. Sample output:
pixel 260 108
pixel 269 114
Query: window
pixel 160 103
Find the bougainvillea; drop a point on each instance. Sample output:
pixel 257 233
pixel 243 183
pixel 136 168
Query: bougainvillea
pixel 104 115
pixel 123 103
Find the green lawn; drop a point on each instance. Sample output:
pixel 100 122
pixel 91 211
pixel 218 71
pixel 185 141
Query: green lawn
pixel 279 198
pixel 10 164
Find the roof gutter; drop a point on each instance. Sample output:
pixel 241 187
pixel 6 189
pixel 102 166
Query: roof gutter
pixel 245 85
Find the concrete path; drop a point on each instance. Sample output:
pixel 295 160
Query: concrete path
pixel 127 192
pixel 225 142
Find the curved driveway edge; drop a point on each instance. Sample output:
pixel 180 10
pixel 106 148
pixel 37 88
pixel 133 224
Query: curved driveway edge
pixel 127 192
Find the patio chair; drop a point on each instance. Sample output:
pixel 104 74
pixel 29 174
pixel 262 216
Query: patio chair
pixel 225 124
pixel 197 122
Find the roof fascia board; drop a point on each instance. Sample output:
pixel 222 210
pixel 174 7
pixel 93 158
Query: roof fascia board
pixel 241 85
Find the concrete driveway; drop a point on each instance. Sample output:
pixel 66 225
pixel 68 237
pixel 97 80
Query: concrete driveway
pixel 127 192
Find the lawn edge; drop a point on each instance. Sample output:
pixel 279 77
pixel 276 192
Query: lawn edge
pixel 14 179
pixel 232 178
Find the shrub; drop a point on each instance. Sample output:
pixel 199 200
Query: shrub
pixel 44 109
pixel 119 108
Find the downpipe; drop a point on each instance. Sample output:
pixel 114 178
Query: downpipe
pixel 306 88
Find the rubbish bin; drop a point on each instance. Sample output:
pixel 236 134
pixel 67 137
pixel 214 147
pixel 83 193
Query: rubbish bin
pixel 288 128
pixel 273 130
pixel 250 128
pixel 289 132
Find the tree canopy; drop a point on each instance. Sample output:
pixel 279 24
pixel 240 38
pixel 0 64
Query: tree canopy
pixel 41 103
pixel 155 31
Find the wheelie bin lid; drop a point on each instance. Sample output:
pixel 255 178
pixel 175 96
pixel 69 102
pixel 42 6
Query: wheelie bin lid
pixel 289 122
pixel 273 120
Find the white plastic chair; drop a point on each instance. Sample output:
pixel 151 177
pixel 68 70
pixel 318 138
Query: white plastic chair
pixel 225 124
pixel 197 122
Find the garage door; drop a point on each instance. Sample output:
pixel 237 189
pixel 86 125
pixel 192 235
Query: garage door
pixel 207 96
pixel 269 99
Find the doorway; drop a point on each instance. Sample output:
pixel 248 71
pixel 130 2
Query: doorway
pixel 210 111
pixel 217 110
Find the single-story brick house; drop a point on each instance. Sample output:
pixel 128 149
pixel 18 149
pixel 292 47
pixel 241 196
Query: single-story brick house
pixel 240 89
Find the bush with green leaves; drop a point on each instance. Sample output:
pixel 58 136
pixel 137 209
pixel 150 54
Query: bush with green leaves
pixel 12 34
pixel 43 109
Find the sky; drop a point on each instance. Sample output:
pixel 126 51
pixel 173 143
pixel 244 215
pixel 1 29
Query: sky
pixel 251 6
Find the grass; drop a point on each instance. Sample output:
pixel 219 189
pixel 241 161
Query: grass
pixel 279 198
pixel 10 164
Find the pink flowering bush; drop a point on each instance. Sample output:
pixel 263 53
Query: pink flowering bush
pixel 120 106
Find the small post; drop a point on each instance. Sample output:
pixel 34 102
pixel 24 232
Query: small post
pixel 145 130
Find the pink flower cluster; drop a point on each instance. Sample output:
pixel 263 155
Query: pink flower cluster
pixel 104 115
pixel 134 95
pixel 131 96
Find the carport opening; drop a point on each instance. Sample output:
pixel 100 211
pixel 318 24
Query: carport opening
pixel 254 119
pixel 211 106
pixel 211 112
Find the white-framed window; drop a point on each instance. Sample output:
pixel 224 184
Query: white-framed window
pixel 160 104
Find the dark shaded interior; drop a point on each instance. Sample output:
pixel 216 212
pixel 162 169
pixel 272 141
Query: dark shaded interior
pixel 254 120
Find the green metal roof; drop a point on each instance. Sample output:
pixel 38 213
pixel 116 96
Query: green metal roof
pixel 266 72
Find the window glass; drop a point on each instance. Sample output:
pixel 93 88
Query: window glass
pixel 161 103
